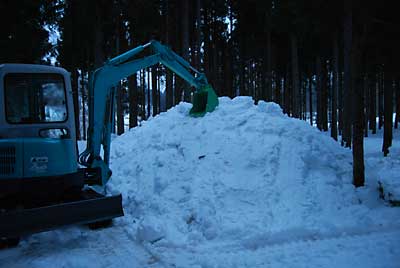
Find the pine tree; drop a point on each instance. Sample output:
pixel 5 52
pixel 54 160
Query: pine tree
pixel 154 90
pixel 335 87
pixel 22 24
pixel 133 101
pixel 295 76
pixel 397 97
pixel 347 78
pixel 372 102
pixel 388 115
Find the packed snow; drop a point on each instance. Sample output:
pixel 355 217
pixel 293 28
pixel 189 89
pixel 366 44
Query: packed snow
pixel 243 186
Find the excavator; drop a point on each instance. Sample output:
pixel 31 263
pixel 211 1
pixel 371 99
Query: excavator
pixel 44 184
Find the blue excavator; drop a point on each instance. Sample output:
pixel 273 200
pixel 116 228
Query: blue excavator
pixel 44 184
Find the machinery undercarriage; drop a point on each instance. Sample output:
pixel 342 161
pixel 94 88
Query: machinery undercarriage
pixel 47 203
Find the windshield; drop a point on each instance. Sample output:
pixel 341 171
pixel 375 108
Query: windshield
pixel 35 98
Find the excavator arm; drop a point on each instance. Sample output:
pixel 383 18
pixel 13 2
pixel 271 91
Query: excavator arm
pixel 69 201
pixel 101 98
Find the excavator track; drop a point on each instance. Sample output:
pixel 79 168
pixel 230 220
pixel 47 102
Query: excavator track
pixel 89 207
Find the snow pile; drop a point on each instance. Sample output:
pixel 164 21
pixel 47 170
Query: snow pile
pixel 240 178
pixel 385 170
pixel 244 186
pixel 389 178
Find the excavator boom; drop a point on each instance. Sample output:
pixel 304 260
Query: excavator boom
pixel 101 90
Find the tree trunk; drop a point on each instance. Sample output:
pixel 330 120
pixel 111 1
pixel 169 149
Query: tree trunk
pixel 228 72
pixel 133 100
pixel 99 37
pixel 169 96
pixel 340 102
pixel 119 36
pixel 185 40
pixel 215 74
pixel 75 92
pixel 324 96
pixel 310 97
pixel 198 35
pixel 388 115
pixel 358 132
pixel 169 93
pixel 159 94
pixel 358 112
pixel 318 92
pixel 304 98
pixel 286 94
pixel 178 89
pixel 154 89
pixel 347 88
pixel 148 93
pixel 372 102
pixel 397 119
pixel 242 52
pixel 380 98
pixel 143 94
pixel 268 59
pixel 295 76
pixel 335 88
pixel 366 104
pixel 278 88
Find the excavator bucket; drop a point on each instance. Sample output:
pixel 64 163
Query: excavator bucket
pixel 204 100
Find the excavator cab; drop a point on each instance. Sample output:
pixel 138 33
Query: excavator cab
pixel 36 122
pixel 41 184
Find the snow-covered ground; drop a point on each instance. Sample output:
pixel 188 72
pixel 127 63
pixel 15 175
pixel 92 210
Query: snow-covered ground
pixel 244 186
pixel 385 169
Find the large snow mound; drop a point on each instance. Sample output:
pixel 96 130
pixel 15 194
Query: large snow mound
pixel 244 175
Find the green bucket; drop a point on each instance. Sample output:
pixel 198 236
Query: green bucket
pixel 204 101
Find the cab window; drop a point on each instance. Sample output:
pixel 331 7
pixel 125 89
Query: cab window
pixel 35 98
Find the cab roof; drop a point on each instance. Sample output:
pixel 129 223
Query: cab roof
pixel 30 68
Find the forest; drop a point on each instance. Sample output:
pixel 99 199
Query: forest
pixel 331 63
